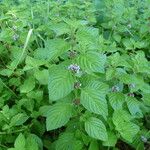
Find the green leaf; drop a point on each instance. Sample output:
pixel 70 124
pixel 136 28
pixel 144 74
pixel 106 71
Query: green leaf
pixel 121 116
pixel 28 85
pixel 96 129
pixel 6 72
pixel 146 99
pixel 58 115
pixel 92 62
pixel 20 142
pixel 87 35
pixel 42 76
pixel 32 63
pixel 67 141
pixel 102 87
pixel 110 73
pixel 120 60
pixel 18 119
pixel 93 145
pixel 38 140
pixel 117 37
pixel 60 84
pixel 112 139
pixel 134 106
pixel 123 124
pixel 53 49
pixel 116 100
pixel 141 64
pixel 128 130
pixel 92 100
pixel 31 144
pixel 60 28
pixel 128 43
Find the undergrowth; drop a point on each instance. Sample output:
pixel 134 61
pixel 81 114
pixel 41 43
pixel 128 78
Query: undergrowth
pixel 74 74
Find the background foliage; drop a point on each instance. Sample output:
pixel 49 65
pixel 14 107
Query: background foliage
pixel 74 74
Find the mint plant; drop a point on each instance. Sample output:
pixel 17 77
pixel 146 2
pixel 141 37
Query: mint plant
pixel 74 75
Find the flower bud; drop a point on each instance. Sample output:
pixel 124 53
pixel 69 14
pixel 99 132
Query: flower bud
pixel 77 85
pixel 72 53
pixel 132 85
pixel 131 94
pixel 76 101
pixel 129 26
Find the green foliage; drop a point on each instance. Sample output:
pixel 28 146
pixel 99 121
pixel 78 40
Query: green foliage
pixel 74 74
pixel 96 129
pixel 58 115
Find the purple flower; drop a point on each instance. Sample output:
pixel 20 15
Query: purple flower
pixel 115 89
pixel 75 68
pixel 15 37
pixel 143 139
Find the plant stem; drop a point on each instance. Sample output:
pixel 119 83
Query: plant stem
pixel 8 88
pixel 3 146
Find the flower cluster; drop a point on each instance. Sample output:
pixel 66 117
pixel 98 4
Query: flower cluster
pixel 75 68
pixel 15 37
pixel 115 89
pixel 143 139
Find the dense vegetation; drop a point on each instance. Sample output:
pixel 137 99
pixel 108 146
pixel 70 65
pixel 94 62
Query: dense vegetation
pixel 74 74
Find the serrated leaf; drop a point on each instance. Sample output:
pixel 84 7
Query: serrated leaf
pixel 28 85
pixel 67 141
pixel 117 37
pixel 121 116
pixel 102 87
pixel 31 144
pixel 134 106
pixel 18 119
pixel 128 43
pixel 112 139
pixel 58 115
pixel 20 142
pixel 87 35
pixel 110 73
pixel 93 145
pixel 116 100
pixel 53 49
pixel 6 72
pixel 32 63
pixel 123 124
pixel 37 140
pixel 92 62
pixel 141 64
pixel 60 28
pixel 128 130
pixel 146 98
pixel 42 76
pixel 60 84
pixel 92 100
pixel 96 129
